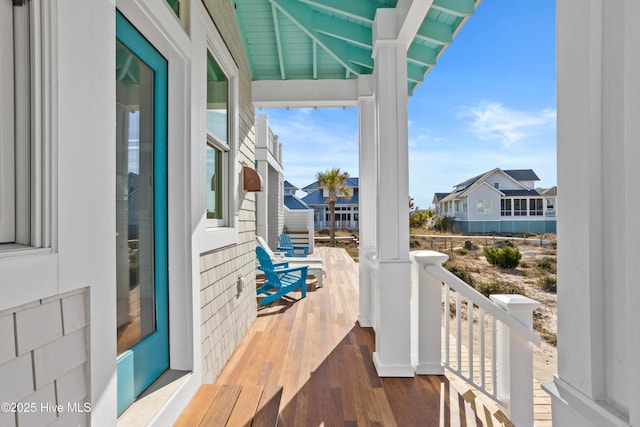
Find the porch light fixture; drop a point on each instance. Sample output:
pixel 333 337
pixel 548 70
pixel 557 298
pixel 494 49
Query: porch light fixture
pixel 251 179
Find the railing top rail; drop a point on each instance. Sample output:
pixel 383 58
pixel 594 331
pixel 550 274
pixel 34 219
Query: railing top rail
pixel 478 299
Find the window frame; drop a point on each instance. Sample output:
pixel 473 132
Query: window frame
pixel 223 149
pixel 7 140
pixel 215 234
pixel 30 139
pixel 29 269
pixel 519 211
pixel 506 206
pixel 483 207
pixel 536 207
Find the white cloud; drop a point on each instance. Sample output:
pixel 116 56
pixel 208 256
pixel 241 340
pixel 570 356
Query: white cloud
pixel 493 121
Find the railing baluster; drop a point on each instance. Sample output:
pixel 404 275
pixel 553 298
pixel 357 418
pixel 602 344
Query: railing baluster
pixel 470 338
pixel 494 382
pixel 482 349
pixel 447 328
pixel 458 331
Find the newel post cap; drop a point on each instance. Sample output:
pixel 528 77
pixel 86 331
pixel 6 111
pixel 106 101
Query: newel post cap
pixel 515 302
pixel 429 257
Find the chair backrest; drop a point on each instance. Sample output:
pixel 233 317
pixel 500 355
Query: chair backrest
pixel 263 245
pixel 266 265
pixel 285 241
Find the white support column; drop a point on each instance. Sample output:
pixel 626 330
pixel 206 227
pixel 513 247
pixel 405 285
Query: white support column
pixel 262 198
pixel 632 204
pixel 515 358
pixel 262 203
pixel 368 167
pixel 597 68
pixel 393 331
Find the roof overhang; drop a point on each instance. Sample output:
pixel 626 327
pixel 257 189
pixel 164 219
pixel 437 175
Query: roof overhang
pixel 301 51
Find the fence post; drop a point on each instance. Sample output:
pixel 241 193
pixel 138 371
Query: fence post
pixel 428 322
pixel 515 357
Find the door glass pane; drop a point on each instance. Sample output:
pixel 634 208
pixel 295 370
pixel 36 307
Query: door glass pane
pixel 134 199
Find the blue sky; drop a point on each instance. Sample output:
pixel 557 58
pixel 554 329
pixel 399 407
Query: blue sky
pixel 489 102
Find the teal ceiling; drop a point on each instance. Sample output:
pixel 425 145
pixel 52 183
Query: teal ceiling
pixel 332 39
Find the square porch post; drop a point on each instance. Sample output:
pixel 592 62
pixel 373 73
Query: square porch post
pixel 368 166
pixel 393 330
pixel 262 205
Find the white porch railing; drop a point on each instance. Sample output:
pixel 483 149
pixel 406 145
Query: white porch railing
pixel 487 343
pixel 339 224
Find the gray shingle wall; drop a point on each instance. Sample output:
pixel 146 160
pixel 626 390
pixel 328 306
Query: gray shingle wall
pixel 227 276
pixel 43 361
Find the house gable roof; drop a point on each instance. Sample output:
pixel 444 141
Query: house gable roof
pixel 553 191
pixel 515 175
pixel 315 198
pixel 293 203
pixel 522 174
pixel 287 184
pixel 352 182
pixel 439 196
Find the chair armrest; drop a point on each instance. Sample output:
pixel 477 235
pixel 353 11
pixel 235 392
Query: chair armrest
pixel 289 270
pixel 305 249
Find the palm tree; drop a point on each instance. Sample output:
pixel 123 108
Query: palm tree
pixel 334 182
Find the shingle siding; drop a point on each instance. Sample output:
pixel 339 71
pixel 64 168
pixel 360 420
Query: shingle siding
pixel 49 363
pixel 227 275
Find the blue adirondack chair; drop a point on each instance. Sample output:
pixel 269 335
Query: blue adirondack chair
pixel 280 279
pixel 285 245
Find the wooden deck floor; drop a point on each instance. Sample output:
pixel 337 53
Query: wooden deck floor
pixel 315 349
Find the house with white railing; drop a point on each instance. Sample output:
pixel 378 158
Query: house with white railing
pixel 124 326
pixel 346 209
pixel 298 218
pixel 500 201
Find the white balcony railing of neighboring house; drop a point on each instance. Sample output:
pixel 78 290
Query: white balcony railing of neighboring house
pixel 346 225
pixel 486 342
pixel 272 144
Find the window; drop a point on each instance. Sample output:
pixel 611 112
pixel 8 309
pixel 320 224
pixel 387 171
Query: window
pixel 520 207
pixel 535 207
pixel 24 183
pixel 549 204
pixel 496 185
pixel 483 206
pixel 464 207
pixel 505 207
pixel 217 148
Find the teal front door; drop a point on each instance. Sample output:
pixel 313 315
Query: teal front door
pixel 141 213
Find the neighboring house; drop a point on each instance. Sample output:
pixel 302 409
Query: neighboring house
pixel 346 211
pixel 436 202
pixel 298 218
pixel 500 201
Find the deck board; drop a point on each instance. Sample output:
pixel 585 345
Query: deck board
pixel 315 361
pixel 316 351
